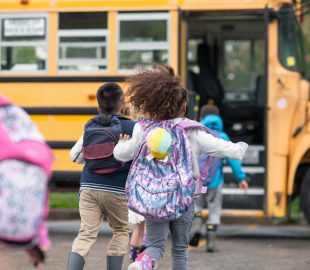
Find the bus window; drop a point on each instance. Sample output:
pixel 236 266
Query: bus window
pixel 291 47
pixel 237 65
pixel 82 39
pixel 259 58
pixel 243 64
pixel 23 44
pixel 192 56
pixel 143 40
pixel 300 48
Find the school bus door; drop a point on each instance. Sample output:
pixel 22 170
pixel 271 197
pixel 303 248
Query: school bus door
pixel 223 62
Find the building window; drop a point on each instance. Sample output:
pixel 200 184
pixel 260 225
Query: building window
pixel 23 43
pixel 82 39
pixel 143 39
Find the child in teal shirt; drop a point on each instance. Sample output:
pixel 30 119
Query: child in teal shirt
pixel 209 117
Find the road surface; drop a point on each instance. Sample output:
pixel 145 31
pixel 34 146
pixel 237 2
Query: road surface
pixel 243 247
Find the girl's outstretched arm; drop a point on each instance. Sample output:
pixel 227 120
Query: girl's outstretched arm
pixel 219 147
pixel 127 149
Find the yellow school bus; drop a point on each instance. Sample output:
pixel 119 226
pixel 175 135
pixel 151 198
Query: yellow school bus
pixel 246 56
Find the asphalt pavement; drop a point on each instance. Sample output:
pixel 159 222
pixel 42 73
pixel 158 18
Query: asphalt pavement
pixel 242 247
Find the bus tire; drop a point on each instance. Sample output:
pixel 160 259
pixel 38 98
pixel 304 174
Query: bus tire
pixel 305 196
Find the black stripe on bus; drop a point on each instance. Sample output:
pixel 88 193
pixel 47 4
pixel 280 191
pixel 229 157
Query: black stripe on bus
pixel 61 110
pixel 224 13
pixel 61 144
pixel 65 180
pixel 58 79
pixel 243 202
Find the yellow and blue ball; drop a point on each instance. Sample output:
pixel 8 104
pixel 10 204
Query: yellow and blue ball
pixel 159 142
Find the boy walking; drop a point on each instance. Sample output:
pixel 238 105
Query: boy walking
pixel 103 180
pixel 209 116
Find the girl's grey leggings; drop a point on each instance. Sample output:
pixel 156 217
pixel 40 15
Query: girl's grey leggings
pixel 157 233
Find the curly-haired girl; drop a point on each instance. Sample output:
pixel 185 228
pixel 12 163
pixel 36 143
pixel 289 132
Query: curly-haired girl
pixel 162 143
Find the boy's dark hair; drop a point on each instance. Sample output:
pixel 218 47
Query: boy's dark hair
pixel 209 109
pixel 157 93
pixel 110 97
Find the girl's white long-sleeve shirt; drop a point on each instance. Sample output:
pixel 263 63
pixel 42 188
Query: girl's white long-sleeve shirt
pixel 200 141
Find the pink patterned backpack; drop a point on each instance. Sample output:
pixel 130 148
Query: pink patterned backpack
pixel 162 190
pixel 25 168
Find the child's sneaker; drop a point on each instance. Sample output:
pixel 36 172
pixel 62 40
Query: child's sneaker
pixel 194 240
pixel 211 238
pixel 143 262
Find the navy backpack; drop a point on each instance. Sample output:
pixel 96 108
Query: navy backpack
pixel 99 142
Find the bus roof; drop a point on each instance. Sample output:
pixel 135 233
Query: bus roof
pixel 135 5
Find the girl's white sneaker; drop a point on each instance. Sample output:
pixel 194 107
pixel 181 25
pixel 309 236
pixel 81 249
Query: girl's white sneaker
pixel 143 262
pixel 135 266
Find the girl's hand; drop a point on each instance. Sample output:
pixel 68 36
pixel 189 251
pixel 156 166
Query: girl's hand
pixel 124 137
pixel 244 186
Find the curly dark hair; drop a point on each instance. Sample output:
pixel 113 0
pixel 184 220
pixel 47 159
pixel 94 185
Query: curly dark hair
pixel 157 93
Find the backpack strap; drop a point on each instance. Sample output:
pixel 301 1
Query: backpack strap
pixel 121 119
pixel 203 175
pixel 206 168
pixel 144 123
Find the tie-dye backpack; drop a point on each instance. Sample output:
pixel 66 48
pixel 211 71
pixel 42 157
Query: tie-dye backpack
pixel 162 189
pixel 25 167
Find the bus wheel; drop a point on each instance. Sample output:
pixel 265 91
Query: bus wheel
pixel 305 196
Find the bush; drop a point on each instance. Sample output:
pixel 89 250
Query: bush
pixel 64 200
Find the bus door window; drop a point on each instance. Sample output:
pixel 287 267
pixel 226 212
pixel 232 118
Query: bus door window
pixel 143 39
pixel 82 41
pixel 23 42
pixel 243 63
pixel 237 66
pixel 242 77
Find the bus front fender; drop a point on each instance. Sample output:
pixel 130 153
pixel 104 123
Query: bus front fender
pixel 298 155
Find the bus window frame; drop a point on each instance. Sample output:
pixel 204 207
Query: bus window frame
pixel 141 46
pixel 45 43
pixel 85 33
